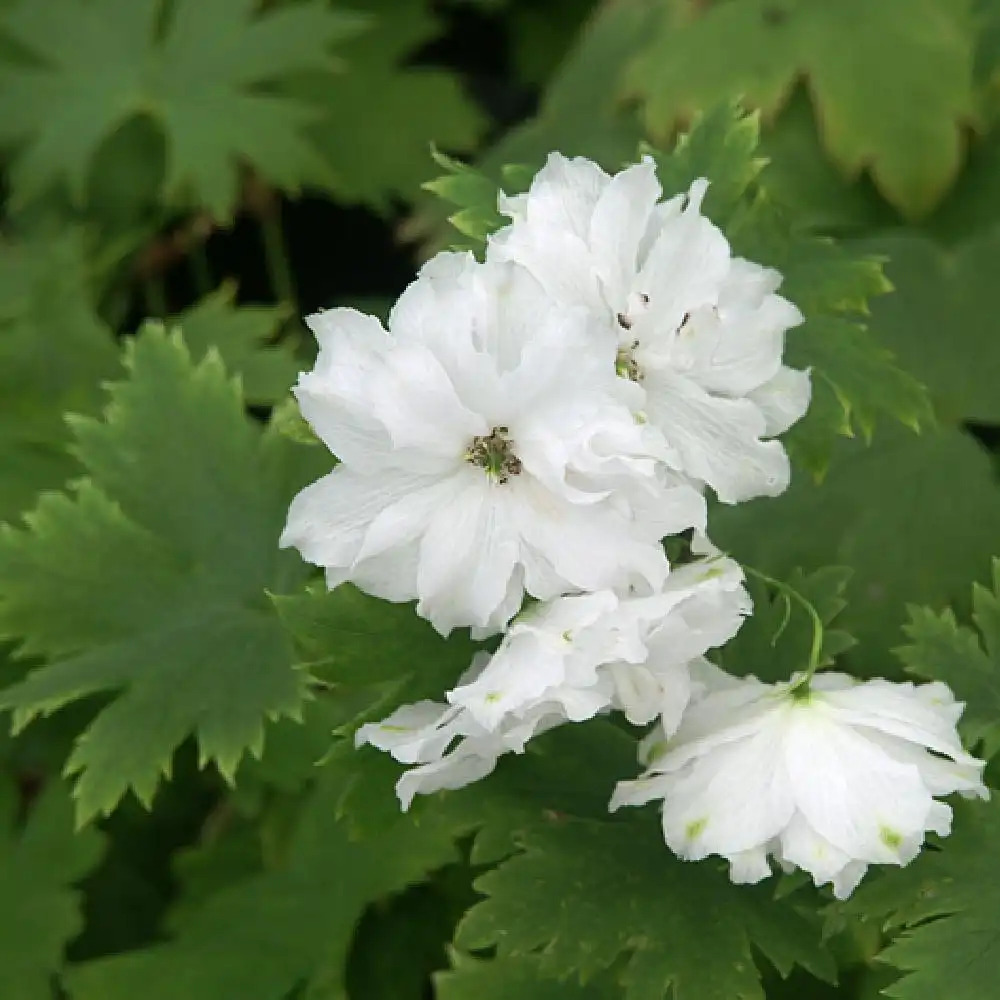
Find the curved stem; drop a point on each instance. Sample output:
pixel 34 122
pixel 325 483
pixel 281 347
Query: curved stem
pixel 816 648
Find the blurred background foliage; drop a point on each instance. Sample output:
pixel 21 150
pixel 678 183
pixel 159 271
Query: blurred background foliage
pixel 230 165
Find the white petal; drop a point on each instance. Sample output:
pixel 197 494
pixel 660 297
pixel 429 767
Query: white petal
pixel 332 397
pixel 468 556
pixel 683 270
pixel 718 439
pixel 850 791
pixel 803 847
pixel 732 800
pixel 327 521
pixel 783 400
pixel 749 867
pixel 469 762
pixel 417 732
pixel 587 547
pixel 619 221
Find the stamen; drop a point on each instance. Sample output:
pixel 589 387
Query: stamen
pixel 625 364
pixel 493 452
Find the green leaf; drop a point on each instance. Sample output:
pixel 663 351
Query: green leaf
pixel 896 107
pixel 199 70
pixel 401 941
pixel 587 892
pixel 260 938
pixel 162 605
pixel 578 115
pixel 803 178
pixel 245 338
pixel 941 649
pixel 381 156
pixel 39 911
pixel 972 207
pixel 914 517
pixel 54 352
pixel 941 323
pixel 579 112
pixel 349 639
pixel 721 145
pixel 947 904
pixel 473 192
pixel 520 977
pixel 854 378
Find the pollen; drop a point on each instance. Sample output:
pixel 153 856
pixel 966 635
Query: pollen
pixel 494 452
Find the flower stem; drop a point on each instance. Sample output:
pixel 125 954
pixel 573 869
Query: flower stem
pixel 790 593
pixel 276 254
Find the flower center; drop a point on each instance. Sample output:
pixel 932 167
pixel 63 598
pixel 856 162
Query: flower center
pixel 494 453
pixel 625 364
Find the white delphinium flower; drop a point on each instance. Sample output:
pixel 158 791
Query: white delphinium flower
pixel 701 331
pixel 485 451
pixel 449 748
pixel 569 660
pixel 588 653
pixel 830 775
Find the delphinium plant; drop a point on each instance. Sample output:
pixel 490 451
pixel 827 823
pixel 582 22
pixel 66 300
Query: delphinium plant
pixel 588 620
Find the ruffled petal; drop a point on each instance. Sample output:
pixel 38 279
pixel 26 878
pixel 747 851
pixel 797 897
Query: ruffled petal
pixel 719 440
pixel 783 400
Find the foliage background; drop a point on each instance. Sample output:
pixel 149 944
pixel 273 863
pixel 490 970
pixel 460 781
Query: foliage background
pixel 225 167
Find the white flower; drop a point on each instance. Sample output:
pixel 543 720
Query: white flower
pixel 700 331
pixel 829 778
pixel 449 748
pixel 588 653
pixel 485 451
pixel 566 661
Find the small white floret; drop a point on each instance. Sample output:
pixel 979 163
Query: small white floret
pixel 830 777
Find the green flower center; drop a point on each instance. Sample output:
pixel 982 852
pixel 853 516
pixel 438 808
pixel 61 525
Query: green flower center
pixel 494 453
pixel 625 364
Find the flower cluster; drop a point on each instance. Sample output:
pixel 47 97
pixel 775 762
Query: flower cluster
pixel 514 450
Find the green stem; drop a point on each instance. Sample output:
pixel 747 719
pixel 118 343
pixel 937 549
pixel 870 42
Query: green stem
pixel 155 294
pixel 816 648
pixel 276 252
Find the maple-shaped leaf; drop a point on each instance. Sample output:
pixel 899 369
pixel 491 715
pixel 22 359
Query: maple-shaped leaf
pixel 915 517
pixel 937 290
pixel 892 82
pixel 384 650
pixel 54 353
pixel 855 378
pixel 40 912
pixel 381 114
pixel 941 649
pixel 583 893
pixel 578 115
pixel 245 339
pixel 259 938
pixel 147 581
pixel 83 68
pixel 521 977
pixel 946 907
